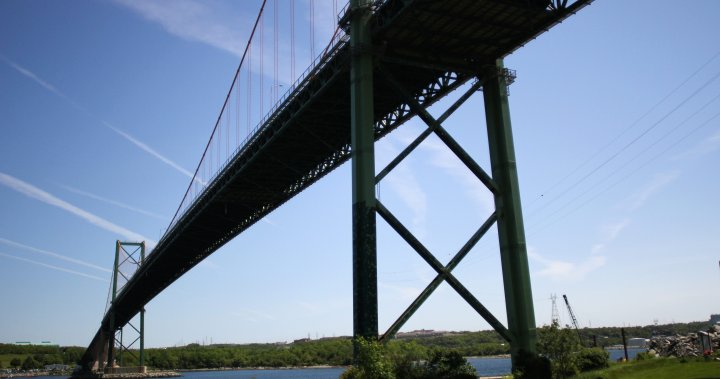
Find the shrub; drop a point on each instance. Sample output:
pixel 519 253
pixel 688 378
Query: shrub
pixel 448 365
pixel 642 356
pixel 372 362
pixel 593 359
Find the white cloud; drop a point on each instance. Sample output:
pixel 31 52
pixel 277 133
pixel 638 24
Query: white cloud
pixel 53 267
pixel 38 194
pixel 598 247
pixel 195 21
pixel 564 270
pixel 51 254
pixel 612 231
pixel 402 181
pixel 660 181
pixel 406 186
pixel 444 159
pixel 707 146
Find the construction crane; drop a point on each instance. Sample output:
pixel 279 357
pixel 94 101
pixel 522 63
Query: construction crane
pixel 572 316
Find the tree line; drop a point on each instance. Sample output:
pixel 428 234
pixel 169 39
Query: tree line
pixel 31 357
pixel 326 351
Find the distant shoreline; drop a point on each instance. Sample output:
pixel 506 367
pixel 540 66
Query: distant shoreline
pixel 258 368
pixel 34 374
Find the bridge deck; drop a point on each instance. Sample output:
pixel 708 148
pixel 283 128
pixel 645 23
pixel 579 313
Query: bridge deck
pixel 431 47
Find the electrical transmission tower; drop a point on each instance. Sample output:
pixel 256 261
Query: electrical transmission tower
pixel 555 314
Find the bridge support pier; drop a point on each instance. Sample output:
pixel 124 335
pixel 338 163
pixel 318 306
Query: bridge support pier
pixel 520 332
pixel 365 303
pixel 511 231
pixel 136 257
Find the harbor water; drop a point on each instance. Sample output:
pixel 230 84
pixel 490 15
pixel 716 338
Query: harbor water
pixel 484 367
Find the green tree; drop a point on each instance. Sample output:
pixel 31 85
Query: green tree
pixel 593 359
pixel 560 345
pixel 448 365
pixel 372 362
pixel 30 363
pixel 15 363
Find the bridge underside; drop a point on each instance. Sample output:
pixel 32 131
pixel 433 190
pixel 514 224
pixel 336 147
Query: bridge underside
pixel 429 47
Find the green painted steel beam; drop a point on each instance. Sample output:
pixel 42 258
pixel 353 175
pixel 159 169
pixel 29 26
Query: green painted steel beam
pixel 142 313
pixel 441 270
pixel 415 143
pixel 439 278
pixel 111 327
pixel 130 257
pixel 365 303
pixel 441 133
pixel 511 232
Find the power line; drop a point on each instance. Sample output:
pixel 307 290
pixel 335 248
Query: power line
pixel 658 140
pixel 626 146
pixel 630 174
pixel 626 130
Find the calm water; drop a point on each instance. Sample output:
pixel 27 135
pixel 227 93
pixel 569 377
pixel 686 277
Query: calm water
pixel 484 367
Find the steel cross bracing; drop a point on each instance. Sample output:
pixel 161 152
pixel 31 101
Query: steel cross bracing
pixel 443 272
pixel 430 48
pixel 115 331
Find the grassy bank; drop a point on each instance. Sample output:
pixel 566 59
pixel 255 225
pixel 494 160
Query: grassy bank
pixel 664 368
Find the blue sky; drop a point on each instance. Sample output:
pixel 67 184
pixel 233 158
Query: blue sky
pixel 106 106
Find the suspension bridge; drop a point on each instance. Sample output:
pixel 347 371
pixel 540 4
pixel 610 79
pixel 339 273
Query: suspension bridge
pixel 387 62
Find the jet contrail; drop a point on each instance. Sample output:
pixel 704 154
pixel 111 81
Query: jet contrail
pixel 55 255
pixel 53 267
pixel 25 72
pixel 152 152
pixel 113 202
pixel 38 194
pixel 43 83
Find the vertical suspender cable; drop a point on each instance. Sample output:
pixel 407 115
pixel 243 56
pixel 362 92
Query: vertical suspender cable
pixel 275 51
pixel 292 41
pixel 249 91
pixel 262 65
pixel 312 31
pixel 227 132
pixel 237 114
pixel 217 122
pixel 218 142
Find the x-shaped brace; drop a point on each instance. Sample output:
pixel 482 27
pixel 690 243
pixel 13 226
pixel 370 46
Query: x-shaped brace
pixel 444 273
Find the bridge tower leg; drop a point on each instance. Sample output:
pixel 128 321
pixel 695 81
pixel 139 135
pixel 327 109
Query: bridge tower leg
pixel 365 303
pixel 511 232
pixel 136 258
pixel 503 184
pixel 111 330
